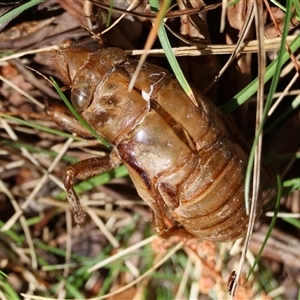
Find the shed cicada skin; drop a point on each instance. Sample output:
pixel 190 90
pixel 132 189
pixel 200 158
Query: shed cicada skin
pixel 185 161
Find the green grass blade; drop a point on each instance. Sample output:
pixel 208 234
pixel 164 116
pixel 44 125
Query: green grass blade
pixel 7 290
pixel 292 221
pixel 78 117
pixel 271 226
pixel 268 104
pixel 295 3
pixel 17 238
pixel 110 11
pixel 297 8
pixel 18 10
pixel 251 88
pixel 283 115
pixel 30 148
pixel 40 127
pixel 165 43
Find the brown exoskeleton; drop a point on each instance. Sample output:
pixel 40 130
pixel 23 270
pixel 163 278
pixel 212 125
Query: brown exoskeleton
pixel 183 159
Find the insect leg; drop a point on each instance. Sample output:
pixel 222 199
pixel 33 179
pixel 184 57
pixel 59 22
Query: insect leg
pixel 62 116
pixel 80 171
pixel 161 221
pixel 175 231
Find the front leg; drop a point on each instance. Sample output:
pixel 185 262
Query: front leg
pixel 62 116
pixel 81 171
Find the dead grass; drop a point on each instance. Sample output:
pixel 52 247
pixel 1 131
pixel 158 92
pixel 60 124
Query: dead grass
pixel 115 255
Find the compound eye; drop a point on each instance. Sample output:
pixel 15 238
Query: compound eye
pixel 81 97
